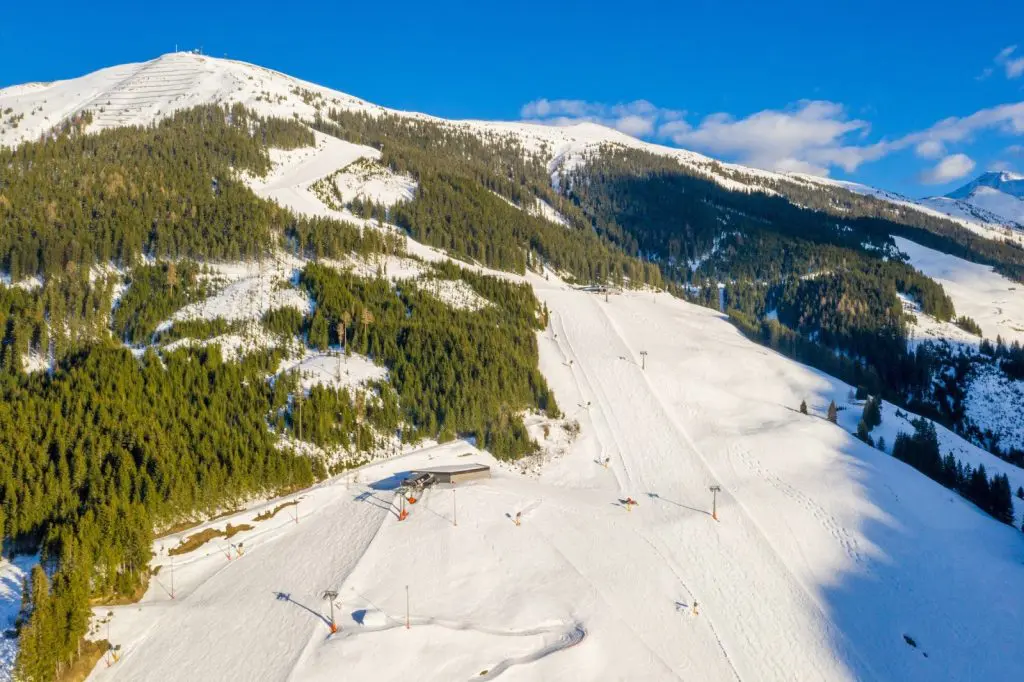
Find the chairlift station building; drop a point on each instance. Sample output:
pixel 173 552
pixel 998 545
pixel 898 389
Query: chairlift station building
pixel 453 473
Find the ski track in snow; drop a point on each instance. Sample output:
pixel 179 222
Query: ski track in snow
pixel 765 655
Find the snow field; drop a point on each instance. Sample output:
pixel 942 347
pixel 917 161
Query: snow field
pixel 333 369
pixel 455 293
pixel 892 425
pixel 995 302
pixel 247 291
pixel 926 328
pixel 365 179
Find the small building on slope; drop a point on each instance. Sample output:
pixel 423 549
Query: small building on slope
pixel 452 473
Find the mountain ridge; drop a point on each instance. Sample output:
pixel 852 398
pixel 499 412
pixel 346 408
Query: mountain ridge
pixel 144 92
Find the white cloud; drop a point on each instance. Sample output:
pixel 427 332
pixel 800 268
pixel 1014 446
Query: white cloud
pixel 930 149
pixel 1014 66
pixel 634 125
pixel 806 137
pixel 809 136
pixel 1015 150
pixel 639 118
pixel 950 168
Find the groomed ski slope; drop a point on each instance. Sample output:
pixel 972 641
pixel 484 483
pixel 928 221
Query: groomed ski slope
pixel 826 554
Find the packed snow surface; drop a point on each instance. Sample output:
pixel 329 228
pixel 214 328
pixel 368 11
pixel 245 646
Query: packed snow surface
pixel 827 553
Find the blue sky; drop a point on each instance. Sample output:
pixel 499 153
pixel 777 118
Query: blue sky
pixel 859 92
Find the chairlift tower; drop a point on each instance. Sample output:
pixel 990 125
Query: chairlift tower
pixel 330 596
pixel 715 489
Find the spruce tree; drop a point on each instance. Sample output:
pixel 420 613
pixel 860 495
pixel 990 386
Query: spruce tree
pixel 872 412
pixel 1001 500
pixel 803 407
pixel 833 412
pixel 862 432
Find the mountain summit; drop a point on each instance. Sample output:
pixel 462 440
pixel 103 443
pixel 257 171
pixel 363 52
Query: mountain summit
pixel 995 197
pixel 1004 182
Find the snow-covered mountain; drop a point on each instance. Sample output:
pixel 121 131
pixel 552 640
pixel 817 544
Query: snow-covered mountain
pixel 827 559
pixel 139 94
pixel 996 197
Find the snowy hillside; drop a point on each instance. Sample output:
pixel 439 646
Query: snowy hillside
pixel 993 301
pixel 139 94
pixel 830 559
pixel 820 558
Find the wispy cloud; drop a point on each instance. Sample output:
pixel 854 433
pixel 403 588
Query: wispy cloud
pixel 950 168
pixel 1012 65
pixel 997 166
pixel 930 149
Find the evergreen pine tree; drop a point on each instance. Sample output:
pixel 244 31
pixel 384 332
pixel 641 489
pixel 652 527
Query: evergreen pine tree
pixel 872 412
pixel 833 412
pixel 1001 499
pixel 862 432
pixel 803 407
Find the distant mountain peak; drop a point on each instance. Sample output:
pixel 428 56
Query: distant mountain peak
pixel 995 197
pixel 1002 181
